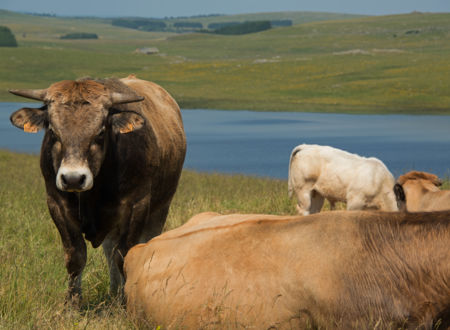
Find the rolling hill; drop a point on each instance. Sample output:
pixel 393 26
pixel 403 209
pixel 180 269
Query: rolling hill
pixel 389 64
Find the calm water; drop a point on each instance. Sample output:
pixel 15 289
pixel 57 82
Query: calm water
pixel 259 143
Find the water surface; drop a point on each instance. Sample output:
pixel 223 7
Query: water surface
pixel 259 143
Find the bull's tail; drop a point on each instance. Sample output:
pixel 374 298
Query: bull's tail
pixel 294 152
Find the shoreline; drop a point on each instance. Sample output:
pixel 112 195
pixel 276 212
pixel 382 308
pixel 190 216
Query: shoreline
pixel 324 110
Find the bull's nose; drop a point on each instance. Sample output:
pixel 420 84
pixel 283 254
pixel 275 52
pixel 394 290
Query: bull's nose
pixel 73 181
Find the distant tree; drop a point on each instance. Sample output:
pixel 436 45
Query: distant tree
pixel 153 26
pixel 43 14
pixel 140 24
pixel 219 25
pixel 244 28
pixel 281 22
pixel 191 25
pixel 79 35
pixel 7 38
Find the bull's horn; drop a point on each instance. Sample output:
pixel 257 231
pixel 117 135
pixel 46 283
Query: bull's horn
pixel 35 94
pixel 120 98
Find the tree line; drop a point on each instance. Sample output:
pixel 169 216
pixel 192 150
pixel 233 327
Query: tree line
pixel 232 27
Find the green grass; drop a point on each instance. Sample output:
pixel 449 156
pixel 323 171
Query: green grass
pixel 33 278
pixel 360 65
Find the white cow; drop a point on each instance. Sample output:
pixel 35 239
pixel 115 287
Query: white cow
pixel 319 172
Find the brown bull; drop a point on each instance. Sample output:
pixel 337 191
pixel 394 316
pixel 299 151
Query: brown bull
pixel 341 269
pixel 111 158
pixel 419 191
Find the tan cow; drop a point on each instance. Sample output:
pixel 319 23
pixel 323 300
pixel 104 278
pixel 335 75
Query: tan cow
pixel 419 191
pixel 318 172
pixel 343 269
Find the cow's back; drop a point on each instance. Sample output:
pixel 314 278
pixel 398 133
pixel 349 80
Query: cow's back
pixel 336 173
pixel 332 269
pixel 236 271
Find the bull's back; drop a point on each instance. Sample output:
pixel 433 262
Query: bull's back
pixel 161 110
pixel 165 148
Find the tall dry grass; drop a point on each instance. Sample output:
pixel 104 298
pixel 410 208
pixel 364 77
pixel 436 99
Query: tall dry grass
pixel 33 278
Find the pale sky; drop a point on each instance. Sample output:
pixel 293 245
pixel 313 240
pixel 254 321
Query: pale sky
pixel 163 8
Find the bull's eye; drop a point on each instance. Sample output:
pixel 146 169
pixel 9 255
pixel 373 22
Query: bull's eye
pixel 100 135
pixel 53 133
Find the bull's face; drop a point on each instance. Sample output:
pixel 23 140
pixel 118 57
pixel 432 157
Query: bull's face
pixel 79 118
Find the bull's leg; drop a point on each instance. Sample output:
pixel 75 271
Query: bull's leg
pixel 74 249
pixel 75 258
pixel 116 280
pixel 133 225
pixel 155 226
pixel 316 202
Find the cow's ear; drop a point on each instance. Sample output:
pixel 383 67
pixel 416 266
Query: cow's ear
pixel 400 197
pixel 30 120
pixel 126 121
pixel 399 193
pixel 436 181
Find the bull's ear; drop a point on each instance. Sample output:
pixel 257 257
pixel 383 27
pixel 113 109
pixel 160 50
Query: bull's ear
pixel 126 121
pixel 30 120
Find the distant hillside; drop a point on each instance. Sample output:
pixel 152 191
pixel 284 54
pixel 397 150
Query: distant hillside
pixel 297 17
pixel 32 28
pixel 192 23
pixel 390 64
pixel 399 34
pixel 54 26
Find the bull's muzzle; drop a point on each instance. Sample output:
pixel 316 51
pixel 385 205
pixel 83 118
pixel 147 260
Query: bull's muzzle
pixel 74 179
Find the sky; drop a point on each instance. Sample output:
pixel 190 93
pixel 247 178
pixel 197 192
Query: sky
pixel 175 8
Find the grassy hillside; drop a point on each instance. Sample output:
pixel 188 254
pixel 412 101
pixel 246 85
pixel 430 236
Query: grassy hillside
pixel 297 17
pixel 382 64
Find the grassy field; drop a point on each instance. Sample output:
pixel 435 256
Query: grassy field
pixel 33 278
pixel 382 64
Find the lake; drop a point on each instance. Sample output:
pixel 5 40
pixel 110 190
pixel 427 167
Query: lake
pixel 260 143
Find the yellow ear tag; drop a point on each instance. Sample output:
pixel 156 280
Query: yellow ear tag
pixel 30 128
pixel 127 129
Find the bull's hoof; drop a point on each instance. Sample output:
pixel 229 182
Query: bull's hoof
pixel 73 301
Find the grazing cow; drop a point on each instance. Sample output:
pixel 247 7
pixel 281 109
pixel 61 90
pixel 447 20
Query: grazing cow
pixel 319 172
pixel 357 269
pixel 419 191
pixel 111 158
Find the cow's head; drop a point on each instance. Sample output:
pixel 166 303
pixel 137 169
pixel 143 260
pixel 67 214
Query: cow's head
pixel 79 117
